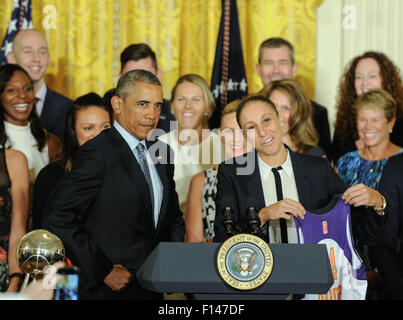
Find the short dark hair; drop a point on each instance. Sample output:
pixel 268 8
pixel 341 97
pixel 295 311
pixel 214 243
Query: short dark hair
pixel 126 81
pixel 107 99
pixel 70 142
pixel 277 42
pixel 253 98
pixel 136 52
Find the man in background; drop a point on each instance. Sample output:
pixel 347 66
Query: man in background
pixel 30 51
pixel 277 62
pixel 141 56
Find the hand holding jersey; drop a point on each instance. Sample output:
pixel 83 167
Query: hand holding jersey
pixel 285 208
pixel 361 195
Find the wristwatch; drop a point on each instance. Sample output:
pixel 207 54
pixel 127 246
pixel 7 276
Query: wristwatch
pixel 381 211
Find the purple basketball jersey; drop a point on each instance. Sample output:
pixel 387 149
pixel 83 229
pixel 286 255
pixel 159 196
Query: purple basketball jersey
pixel 332 226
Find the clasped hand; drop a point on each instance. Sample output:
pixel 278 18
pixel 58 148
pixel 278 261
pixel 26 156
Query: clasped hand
pixel 119 278
pixel 362 195
pixel 285 208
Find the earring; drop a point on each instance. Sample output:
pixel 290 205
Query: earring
pixel 206 114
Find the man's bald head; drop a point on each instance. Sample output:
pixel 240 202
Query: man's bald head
pixel 30 51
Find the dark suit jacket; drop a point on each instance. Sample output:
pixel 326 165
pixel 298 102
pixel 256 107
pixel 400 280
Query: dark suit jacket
pixel 166 117
pixel 390 263
pixel 316 184
pixel 102 209
pixel 54 112
pixel 321 124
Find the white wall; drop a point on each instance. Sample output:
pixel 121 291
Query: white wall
pixel 348 28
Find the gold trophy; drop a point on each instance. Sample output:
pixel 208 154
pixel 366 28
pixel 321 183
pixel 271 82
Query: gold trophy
pixel 36 250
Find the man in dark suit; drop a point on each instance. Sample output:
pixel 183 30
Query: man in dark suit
pixel 119 200
pixel 277 62
pixel 389 253
pixel 30 51
pixel 308 182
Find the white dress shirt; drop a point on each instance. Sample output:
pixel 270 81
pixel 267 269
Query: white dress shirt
pixel 132 141
pixel 270 196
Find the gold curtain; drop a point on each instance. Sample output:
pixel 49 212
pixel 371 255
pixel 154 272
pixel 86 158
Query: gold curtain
pixel 89 35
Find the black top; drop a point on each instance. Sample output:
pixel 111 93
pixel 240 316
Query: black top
pixel 54 112
pixel 389 259
pixel 321 124
pixel 47 180
pixel 166 117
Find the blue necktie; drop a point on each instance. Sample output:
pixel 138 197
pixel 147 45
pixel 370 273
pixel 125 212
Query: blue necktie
pixel 140 151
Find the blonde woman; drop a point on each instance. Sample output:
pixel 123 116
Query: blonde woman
pixel 196 148
pixel 200 214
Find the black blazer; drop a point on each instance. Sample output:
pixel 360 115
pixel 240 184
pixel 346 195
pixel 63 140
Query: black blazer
pixel 389 262
pixel 316 184
pixel 321 124
pixel 166 117
pixel 54 112
pixel 102 209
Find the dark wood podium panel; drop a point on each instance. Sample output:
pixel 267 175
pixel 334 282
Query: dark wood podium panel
pixel 191 268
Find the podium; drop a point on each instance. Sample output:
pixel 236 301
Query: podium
pixel 191 268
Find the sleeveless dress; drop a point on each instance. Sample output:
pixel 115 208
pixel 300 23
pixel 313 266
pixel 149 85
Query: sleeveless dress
pixel 5 219
pixel 21 138
pixel 208 203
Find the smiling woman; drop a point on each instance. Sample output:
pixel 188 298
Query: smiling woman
pixel 196 147
pixel 369 71
pixel 20 128
pixel 362 169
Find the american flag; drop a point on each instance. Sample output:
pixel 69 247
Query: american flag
pixel 228 81
pixel 20 19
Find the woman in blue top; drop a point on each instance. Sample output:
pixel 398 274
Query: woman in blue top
pixel 376 111
pixel 376 114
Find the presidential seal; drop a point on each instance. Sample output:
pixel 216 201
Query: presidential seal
pixel 244 261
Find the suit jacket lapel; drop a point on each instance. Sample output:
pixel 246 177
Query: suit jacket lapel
pixel 301 179
pixel 132 169
pixel 254 183
pixel 46 115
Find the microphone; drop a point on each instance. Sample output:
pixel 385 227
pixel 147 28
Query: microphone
pixel 253 216
pixel 228 213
